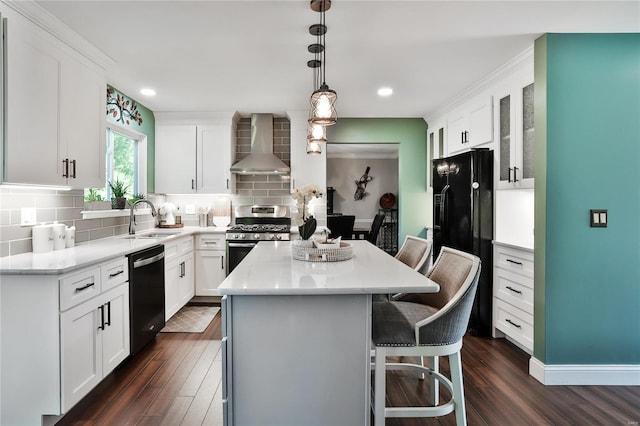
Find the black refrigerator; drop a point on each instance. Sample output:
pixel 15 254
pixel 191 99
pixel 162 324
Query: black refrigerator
pixel 463 219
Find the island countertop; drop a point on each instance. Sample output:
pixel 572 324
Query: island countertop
pixel 269 269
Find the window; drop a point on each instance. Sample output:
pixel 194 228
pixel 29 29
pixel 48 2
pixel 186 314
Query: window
pixel 126 161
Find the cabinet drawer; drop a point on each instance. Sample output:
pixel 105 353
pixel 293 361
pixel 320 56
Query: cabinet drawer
pixel 514 260
pixel 176 248
pixel 514 289
pixel 79 286
pixel 211 242
pixel 515 323
pixel 114 273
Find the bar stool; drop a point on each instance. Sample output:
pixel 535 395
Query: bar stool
pixel 409 329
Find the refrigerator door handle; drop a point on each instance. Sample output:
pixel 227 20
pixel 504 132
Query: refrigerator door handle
pixel 443 206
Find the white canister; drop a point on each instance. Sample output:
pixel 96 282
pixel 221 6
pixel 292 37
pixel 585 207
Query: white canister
pixel 70 236
pixel 42 238
pixel 59 234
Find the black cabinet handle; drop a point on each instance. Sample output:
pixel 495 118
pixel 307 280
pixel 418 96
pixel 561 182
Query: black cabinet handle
pixel 514 290
pixel 65 168
pixel 101 326
pixel 513 323
pixel 84 287
pixel 514 262
pixel 509 178
pixel 73 163
pixel 221 262
pixel 227 183
pixel 108 313
pixel 515 174
pixel 193 184
pixel 117 273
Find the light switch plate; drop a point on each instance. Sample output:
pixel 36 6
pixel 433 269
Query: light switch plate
pixel 598 218
pixel 27 216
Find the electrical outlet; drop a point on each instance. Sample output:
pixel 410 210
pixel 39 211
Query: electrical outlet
pixel 598 218
pixel 190 209
pixel 27 216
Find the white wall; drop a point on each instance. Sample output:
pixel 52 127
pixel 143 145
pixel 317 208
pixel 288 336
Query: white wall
pixel 342 174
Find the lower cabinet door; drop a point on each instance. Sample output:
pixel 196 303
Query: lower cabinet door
pixel 210 272
pixel 172 273
pixel 115 337
pixel 186 283
pixel 81 354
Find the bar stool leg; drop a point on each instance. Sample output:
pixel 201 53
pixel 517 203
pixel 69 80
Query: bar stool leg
pixel 380 386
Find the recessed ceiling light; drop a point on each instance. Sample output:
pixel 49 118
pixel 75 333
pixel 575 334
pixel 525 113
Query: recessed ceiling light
pixel 148 92
pixel 385 91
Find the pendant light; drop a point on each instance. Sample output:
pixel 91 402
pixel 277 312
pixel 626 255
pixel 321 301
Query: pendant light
pixel 323 99
pixel 316 133
pixel 314 148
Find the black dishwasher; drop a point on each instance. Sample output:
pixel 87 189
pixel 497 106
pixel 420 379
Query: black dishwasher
pixel 146 296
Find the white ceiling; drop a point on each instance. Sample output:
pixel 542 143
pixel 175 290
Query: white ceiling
pixel 250 56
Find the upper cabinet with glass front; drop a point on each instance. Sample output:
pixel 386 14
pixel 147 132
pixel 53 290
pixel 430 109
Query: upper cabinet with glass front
pixel 435 147
pixel 55 102
pixel 515 127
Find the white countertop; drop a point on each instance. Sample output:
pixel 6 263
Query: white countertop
pixel 92 252
pixel 269 269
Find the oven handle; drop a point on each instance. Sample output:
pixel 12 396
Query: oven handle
pixel 242 244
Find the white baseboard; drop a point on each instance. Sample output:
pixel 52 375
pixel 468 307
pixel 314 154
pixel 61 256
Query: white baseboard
pixel 602 375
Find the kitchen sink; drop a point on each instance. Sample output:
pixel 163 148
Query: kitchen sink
pixel 151 235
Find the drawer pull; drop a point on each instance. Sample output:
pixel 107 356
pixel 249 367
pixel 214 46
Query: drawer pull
pixel 514 262
pixel 117 273
pixel 84 287
pixel 513 323
pixel 514 290
pixel 101 326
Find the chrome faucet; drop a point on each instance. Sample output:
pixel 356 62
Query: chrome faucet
pixel 132 218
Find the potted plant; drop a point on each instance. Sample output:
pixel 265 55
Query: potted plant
pixel 93 200
pixel 134 198
pixel 118 190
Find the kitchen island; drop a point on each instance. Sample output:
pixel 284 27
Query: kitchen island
pixel 296 335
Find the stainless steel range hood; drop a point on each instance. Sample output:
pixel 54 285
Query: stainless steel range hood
pixel 261 160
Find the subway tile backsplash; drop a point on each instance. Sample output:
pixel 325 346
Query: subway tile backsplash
pixel 52 205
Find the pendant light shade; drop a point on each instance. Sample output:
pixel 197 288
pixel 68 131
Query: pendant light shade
pixel 323 106
pixel 316 133
pixel 314 148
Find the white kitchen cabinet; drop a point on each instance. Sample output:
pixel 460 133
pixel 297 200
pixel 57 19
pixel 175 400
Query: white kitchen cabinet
pixel 175 158
pixel 94 340
pixel 65 347
pixel 194 154
pixel 210 263
pixel 55 111
pixel 516 130
pixel 179 275
pixel 513 295
pixel 470 125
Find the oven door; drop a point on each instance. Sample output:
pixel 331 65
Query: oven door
pixel 237 251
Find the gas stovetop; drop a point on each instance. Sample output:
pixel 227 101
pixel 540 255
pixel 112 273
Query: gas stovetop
pixel 259 232
pixel 260 227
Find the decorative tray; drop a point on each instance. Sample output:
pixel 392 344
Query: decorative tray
pixel 301 250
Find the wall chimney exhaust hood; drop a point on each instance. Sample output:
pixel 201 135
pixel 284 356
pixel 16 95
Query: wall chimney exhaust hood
pixel 261 160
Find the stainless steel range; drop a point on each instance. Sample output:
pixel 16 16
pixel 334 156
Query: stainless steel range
pixel 254 224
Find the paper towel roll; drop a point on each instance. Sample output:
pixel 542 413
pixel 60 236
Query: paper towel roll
pixel 58 236
pixel 42 238
pixel 70 236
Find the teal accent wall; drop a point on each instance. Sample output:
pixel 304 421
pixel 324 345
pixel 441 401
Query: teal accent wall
pixel 411 135
pixel 148 127
pixel 590 276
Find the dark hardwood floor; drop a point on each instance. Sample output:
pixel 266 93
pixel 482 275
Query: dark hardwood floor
pixel 176 381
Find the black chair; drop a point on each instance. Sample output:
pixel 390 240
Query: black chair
pixel 372 237
pixel 341 226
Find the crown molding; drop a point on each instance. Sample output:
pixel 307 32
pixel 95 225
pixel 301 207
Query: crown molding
pixel 522 60
pixel 52 25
